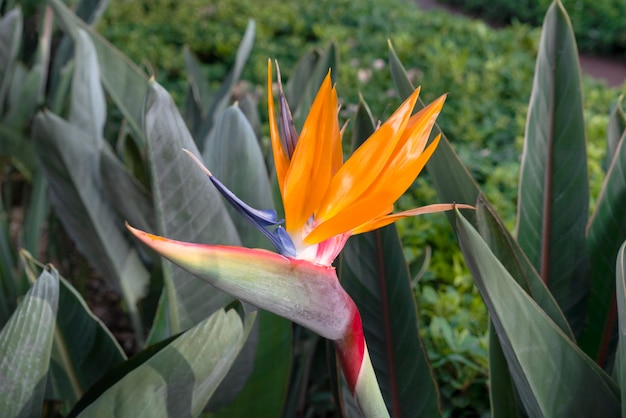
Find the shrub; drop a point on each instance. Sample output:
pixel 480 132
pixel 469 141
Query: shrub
pixel 599 25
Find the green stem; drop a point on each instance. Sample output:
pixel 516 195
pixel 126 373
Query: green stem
pixel 367 392
pixel 357 368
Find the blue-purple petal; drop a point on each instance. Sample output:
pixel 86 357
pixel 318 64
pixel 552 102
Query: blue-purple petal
pixel 255 216
pixel 288 133
pixel 285 246
pixel 261 219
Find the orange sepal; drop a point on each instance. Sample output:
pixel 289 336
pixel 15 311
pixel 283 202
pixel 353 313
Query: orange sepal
pixel 311 165
pixel 388 219
pixel 372 204
pixel 362 168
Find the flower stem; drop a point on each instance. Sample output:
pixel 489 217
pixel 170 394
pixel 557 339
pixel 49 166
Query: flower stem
pixel 367 392
pixel 357 368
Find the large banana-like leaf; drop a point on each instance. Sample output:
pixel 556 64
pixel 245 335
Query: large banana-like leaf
pixel 222 96
pixel 616 129
pixel 188 207
pixel 36 214
pixel 300 96
pixel 265 392
pixel 8 285
pixel 512 257
pixel 83 348
pixel 553 201
pixel 10 41
pixel 69 158
pixel 553 376
pixel 179 379
pixel 301 76
pixel 25 347
pixel 19 91
pixel 198 94
pixel 123 80
pixel 606 232
pixel 620 278
pixel 24 97
pixel 503 395
pixel 87 104
pixel 375 274
pixel 124 191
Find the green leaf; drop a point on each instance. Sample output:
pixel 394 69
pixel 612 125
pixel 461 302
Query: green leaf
pixel 553 376
pixel 265 392
pixel 234 156
pixel 23 96
pixel 25 347
pixel 83 350
pixel 198 95
pixel 36 214
pixel 553 204
pixel 179 379
pixel 452 180
pixel 188 208
pixel 222 96
pixel 10 41
pixel 91 10
pixel 305 93
pixel 123 80
pixel 620 278
pixel 14 144
pixel 512 257
pixel 129 197
pixel 60 87
pixel 363 121
pixel 301 76
pixel 8 285
pixel 502 392
pixel 87 104
pixel 503 395
pixel 240 370
pixel 606 232
pixel 69 158
pixel 616 129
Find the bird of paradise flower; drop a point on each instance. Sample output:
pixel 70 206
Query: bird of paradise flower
pixel 325 202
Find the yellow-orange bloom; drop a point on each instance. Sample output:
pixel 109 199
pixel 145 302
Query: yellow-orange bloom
pixel 328 200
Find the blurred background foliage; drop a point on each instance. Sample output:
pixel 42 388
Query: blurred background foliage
pixel 599 25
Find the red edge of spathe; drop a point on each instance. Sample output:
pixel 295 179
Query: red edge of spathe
pixel 153 240
pixel 351 349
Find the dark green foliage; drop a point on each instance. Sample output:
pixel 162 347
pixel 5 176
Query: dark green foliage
pixel 599 25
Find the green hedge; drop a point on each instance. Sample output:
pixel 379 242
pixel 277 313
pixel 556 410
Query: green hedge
pixel 487 73
pixel 599 25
